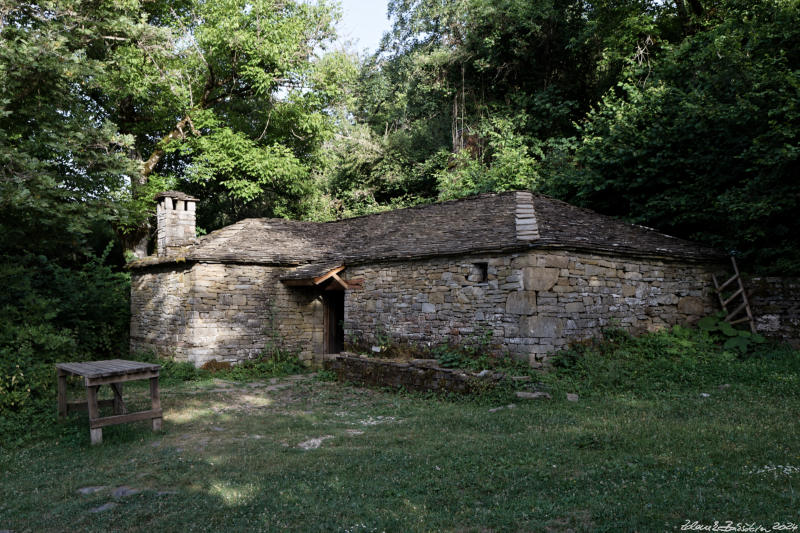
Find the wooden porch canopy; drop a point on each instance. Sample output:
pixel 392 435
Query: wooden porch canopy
pixel 330 279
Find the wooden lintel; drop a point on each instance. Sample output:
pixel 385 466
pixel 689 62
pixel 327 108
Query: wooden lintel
pixel 298 282
pixel 311 282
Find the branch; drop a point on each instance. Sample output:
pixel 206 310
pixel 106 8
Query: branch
pixel 158 152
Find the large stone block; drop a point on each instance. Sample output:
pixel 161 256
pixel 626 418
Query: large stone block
pixel 539 278
pixel 542 327
pixel 691 306
pixel 521 303
pixel 556 261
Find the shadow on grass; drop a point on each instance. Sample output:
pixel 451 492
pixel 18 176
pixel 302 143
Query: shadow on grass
pixel 402 462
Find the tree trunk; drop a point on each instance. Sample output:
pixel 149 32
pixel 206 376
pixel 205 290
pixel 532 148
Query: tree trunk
pixel 137 241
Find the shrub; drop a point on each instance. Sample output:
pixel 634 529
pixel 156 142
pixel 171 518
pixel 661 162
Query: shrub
pixel 51 313
pixel 668 361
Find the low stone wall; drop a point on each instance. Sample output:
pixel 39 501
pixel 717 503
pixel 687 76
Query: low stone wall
pixel 208 311
pixel 775 303
pixel 412 375
pixel 532 303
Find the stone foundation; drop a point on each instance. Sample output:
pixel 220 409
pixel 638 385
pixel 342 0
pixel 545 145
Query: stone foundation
pixel 403 374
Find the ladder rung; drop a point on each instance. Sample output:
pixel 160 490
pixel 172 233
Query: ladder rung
pixel 734 295
pixel 735 312
pixel 734 278
pixel 739 320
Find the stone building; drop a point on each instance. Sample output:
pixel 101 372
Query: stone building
pixel 535 272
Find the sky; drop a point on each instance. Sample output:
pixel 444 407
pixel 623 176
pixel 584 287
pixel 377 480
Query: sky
pixel 363 22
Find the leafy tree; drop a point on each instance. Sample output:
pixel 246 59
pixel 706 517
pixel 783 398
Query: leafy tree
pixel 703 143
pixel 227 98
pixel 103 102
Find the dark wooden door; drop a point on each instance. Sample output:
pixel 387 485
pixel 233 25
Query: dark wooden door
pixel 333 304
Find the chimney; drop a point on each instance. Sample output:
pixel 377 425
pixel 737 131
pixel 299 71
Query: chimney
pixel 176 221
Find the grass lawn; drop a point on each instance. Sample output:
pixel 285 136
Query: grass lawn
pixel 304 454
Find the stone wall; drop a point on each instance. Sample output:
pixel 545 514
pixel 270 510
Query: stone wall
pixel 411 375
pixel 775 303
pixel 533 303
pixel 209 311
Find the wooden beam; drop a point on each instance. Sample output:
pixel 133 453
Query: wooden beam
pixel 311 282
pixel 320 279
pixel 339 281
pixel 119 379
pixel 96 423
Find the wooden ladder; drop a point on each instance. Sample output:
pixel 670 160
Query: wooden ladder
pixel 744 306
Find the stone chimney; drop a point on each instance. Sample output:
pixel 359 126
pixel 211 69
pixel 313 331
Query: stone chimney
pixel 175 214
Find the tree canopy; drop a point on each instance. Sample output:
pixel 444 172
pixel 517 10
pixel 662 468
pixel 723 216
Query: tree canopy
pixel 677 115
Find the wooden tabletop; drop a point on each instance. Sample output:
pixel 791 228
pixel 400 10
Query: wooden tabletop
pixel 101 369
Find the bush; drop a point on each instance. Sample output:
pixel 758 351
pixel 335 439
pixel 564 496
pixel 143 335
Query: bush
pixel 668 361
pixel 50 313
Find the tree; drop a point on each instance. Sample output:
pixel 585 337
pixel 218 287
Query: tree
pixel 227 98
pixel 703 143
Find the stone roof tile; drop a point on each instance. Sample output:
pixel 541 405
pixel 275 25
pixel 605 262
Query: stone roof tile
pixel 483 223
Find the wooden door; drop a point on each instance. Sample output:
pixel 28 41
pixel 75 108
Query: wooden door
pixel 333 321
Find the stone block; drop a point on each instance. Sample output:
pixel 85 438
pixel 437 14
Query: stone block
pixel 574 307
pixel 436 298
pixel 541 327
pixel 521 303
pixel 596 270
pixel 539 278
pixel 556 261
pixel 628 291
pixel 691 306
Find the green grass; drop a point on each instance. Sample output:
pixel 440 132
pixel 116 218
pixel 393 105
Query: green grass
pixel 629 455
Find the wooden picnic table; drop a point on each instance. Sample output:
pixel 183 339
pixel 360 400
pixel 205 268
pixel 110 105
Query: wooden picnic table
pixel 113 373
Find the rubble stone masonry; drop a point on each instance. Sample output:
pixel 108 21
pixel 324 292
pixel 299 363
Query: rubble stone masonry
pixel 532 302
pixel 211 311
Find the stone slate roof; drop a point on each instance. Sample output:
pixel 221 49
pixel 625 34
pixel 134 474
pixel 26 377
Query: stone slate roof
pixel 174 194
pixel 485 223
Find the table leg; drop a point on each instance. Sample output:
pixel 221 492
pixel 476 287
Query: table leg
pixel 62 393
pixel 156 402
pixel 119 403
pixel 96 435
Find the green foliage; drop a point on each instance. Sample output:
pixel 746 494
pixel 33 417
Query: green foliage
pixel 49 314
pixel 665 362
pixel 276 363
pixel 741 340
pixel 506 163
pixel 679 116
pixel 475 353
pixel 700 139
